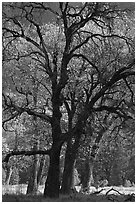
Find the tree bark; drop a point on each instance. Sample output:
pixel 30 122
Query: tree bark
pixel 52 185
pixel 70 158
pixel 67 181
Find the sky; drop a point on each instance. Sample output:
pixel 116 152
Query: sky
pixel 49 17
pixel 55 6
pixel 130 5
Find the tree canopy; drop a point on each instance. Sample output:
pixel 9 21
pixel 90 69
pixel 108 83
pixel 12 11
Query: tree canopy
pixel 65 71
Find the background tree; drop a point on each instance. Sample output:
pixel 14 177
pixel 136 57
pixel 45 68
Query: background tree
pixel 117 154
pixel 19 136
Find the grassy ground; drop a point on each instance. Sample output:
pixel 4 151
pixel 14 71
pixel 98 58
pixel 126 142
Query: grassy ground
pixel 19 196
pixel 22 188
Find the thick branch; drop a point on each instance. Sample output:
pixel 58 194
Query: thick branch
pixel 25 153
pixel 21 110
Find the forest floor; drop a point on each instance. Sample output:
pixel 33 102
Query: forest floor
pixel 107 194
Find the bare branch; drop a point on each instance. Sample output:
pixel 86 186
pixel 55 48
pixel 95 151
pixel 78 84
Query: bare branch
pixel 19 110
pixel 85 58
pixel 9 119
pixel 118 75
pixel 16 34
pixel 132 93
pixel 96 36
pixel 113 109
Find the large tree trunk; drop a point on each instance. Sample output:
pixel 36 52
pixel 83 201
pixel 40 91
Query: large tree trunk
pixel 52 185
